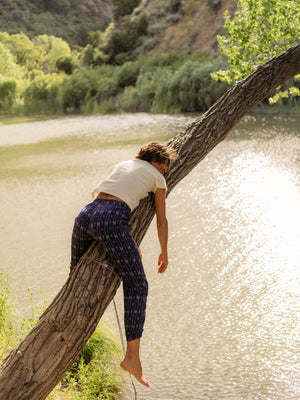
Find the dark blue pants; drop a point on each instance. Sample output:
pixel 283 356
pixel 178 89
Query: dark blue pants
pixel 105 221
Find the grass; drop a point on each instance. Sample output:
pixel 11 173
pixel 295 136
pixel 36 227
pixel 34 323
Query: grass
pixel 95 375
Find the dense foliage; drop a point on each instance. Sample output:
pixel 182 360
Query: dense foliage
pixel 43 75
pixel 260 30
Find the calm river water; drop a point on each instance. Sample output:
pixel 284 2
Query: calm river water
pixel 223 321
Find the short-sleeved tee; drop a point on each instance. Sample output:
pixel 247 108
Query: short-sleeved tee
pixel 131 181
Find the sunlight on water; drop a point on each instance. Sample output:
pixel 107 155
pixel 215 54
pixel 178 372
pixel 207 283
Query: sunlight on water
pixel 232 299
pixel 223 321
pixel 268 196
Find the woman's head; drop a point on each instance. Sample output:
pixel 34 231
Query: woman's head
pixel 157 152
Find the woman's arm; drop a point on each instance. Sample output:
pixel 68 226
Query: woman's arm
pixel 162 228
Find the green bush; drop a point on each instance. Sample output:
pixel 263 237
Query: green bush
pixel 93 375
pixel 7 94
pixel 193 88
pixel 77 88
pixel 6 325
pixel 132 101
pixel 36 94
pixel 66 64
pixel 124 7
pixel 167 84
pixel 107 87
pixel 119 42
pixel 147 84
pixel 164 101
pixel 55 98
pixel 13 327
pixel 127 74
pixel 172 59
pixel 58 6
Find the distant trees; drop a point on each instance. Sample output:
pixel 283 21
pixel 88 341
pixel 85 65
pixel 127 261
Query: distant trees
pixel 29 71
pixel 124 7
pixel 125 39
pixel 8 67
pixel 59 6
pixel 40 53
pixel 119 42
pixel 71 20
pixel 109 74
pixel 9 71
pixel 43 75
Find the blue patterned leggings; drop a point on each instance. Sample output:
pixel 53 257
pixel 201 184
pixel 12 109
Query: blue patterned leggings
pixel 105 220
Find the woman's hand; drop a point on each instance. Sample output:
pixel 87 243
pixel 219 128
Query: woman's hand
pixel 162 228
pixel 162 263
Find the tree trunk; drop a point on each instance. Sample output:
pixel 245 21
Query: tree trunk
pixel 34 368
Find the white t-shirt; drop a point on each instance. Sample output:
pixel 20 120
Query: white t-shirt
pixel 131 181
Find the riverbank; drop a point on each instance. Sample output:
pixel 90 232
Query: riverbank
pixel 96 373
pixel 261 109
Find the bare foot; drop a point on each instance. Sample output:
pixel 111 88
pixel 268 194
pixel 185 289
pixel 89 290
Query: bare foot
pixel 134 367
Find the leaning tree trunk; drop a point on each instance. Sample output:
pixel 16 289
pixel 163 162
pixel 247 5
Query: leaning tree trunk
pixel 33 369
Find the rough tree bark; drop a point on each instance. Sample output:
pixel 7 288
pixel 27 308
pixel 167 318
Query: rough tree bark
pixel 33 369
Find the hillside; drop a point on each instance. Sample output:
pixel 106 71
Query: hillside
pixel 71 20
pixel 188 25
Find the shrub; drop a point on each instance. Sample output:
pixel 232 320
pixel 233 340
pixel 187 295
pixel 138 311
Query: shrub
pixel 124 7
pixel 164 100
pixel 66 64
pixel 93 375
pixel 127 74
pixel 119 42
pixel 7 94
pixel 147 82
pixel 13 327
pixel 132 101
pixel 36 93
pixel 107 87
pixel 78 87
pixel 194 88
pixel 6 326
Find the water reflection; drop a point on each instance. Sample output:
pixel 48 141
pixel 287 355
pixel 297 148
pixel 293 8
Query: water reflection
pixel 222 323
pixel 238 270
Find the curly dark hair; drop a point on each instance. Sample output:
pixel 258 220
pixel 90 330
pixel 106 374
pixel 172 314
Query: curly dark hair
pixel 158 152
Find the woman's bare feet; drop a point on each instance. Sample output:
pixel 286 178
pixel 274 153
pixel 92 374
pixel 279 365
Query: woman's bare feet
pixel 132 363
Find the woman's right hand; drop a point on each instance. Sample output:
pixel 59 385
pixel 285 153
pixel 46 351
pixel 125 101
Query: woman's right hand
pixel 162 228
pixel 162 263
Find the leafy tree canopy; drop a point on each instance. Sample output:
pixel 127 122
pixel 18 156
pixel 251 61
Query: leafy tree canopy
pixel 8 68
pixel 260 30
pixel 51 49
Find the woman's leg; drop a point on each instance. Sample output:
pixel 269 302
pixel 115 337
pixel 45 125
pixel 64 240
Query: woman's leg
pixel 135 289
pixel 108 226
pixel 132 363
pixel 81 238
pixel 126 257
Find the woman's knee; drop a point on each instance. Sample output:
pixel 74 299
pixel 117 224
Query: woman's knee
pixel 136 285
